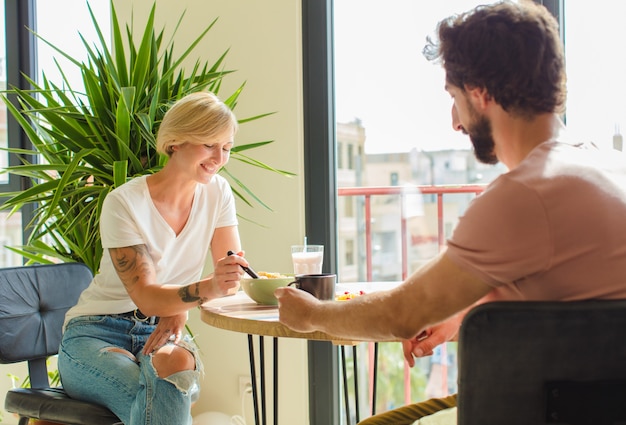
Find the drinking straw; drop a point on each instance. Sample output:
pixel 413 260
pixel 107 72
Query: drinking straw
pixel 304 247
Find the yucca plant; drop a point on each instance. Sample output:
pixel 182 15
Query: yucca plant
pixel 92 140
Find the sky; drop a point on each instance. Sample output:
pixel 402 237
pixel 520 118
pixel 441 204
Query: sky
pixel 382 78
pixel 66 37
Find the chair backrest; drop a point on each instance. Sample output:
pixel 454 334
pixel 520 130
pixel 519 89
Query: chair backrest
pixel 543 363
pixel 33 303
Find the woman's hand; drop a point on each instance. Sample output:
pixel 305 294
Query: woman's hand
pixel 224 281
pixel 168 328
pixel 227 274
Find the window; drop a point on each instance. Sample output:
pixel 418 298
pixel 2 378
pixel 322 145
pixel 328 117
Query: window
pixel 370 56
pixel 66 36
pixel 596 109
pixel 339 155
pixel 383 82
pixel 4 157
pixel 350 157
pixel 16 57
pixel 10 225
pixel 349 258
pixel 14 53
pixel 393 179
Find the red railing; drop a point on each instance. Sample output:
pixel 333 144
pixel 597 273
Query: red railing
pixel 403 192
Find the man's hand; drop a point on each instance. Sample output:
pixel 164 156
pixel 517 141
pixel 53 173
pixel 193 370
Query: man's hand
pixel 424 344
pixel 295 308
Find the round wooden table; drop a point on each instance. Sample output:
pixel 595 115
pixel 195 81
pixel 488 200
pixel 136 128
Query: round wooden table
pixel 239 313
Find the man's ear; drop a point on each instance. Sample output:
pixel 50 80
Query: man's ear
pixel 479 96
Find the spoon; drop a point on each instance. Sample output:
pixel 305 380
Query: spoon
pixel 248 270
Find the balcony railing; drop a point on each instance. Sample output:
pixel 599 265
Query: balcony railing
pixel 402 192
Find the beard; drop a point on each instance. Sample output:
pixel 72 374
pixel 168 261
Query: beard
pixel 481 136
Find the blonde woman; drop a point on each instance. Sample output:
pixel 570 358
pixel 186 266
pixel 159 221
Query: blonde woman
pixel 122 345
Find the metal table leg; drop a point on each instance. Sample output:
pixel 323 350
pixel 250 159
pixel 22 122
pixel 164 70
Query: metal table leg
pixel 260 413
pixel 262 366
pixel 356 384
pixel 344 374
pixel 260 416
pixel 275 381
pixel 255 395
pixel 375 379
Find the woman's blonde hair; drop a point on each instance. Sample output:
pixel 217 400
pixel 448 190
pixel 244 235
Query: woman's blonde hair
pixel 194 119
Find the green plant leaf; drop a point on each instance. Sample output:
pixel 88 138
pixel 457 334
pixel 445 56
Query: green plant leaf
pixel 120 170
pixel 94 135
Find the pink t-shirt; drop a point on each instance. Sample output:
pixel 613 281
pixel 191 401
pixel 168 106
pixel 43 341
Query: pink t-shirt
pixel 554 228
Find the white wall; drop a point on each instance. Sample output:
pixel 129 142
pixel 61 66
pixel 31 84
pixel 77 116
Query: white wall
pixel 264 38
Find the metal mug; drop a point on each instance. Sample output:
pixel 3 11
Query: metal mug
pixel 321 285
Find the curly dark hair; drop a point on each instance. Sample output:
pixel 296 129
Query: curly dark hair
pixel 513 50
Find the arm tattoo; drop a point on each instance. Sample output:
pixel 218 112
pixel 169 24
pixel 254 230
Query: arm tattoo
pixel 186 296
pixel 132 264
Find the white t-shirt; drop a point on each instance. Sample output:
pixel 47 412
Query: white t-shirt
pixel 129 217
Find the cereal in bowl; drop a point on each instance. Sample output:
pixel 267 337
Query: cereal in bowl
pixel 270 275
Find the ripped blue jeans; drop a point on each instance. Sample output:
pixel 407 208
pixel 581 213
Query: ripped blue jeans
pixel 93 371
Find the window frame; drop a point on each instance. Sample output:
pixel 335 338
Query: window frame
pixel 21 60
pixel 320 189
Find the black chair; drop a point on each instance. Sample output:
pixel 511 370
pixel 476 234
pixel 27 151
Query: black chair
pixel 33 302
pixel 524 363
